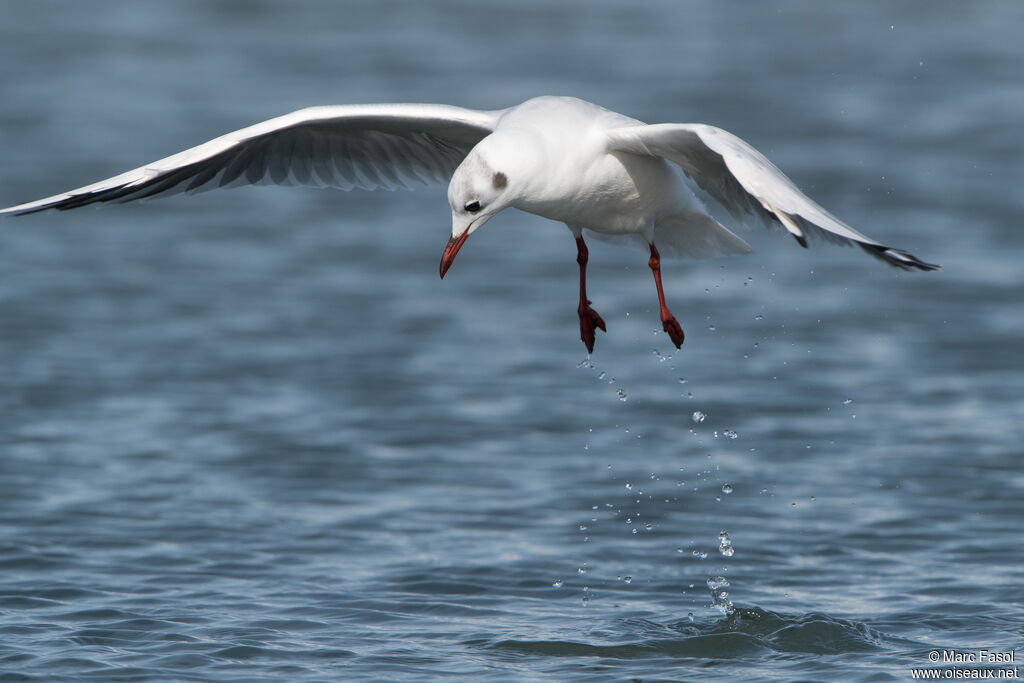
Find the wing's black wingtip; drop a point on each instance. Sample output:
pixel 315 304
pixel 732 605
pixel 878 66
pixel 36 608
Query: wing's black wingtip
pixel 898 258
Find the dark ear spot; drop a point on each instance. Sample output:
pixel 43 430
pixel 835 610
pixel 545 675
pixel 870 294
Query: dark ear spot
pixel 499 180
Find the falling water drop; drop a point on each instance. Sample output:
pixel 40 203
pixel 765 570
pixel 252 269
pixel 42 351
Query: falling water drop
pixel 726 489
pixel 558 583
pixel 716 582
pixel 698 416
pixel 719 596
pixel 725 544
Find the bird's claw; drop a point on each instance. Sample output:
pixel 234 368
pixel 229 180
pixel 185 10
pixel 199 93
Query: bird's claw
pixel 589 319
pixel 674 330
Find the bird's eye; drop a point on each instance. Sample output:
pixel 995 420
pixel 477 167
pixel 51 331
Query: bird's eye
pixel 473 206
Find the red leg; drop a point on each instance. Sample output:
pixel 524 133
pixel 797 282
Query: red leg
pixel 668 321
pixel 589 319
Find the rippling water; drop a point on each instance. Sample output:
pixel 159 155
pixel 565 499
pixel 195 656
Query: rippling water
pixel 249 435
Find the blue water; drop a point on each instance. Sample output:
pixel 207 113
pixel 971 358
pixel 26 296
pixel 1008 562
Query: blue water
pixel 250 435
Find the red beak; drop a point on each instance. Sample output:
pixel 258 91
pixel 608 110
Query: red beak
pixel 450 250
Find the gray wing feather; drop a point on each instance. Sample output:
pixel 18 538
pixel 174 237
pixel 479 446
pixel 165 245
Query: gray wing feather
pixel 745 183
pixel 349 146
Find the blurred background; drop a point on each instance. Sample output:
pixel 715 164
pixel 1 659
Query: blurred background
pixel 250 434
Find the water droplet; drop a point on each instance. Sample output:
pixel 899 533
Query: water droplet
pixel 716 582
pixel 758 317
pixel 700 554
pixel 583 527
pixel 730 434
pixel 628 579
pixel 682 380
pixel 711 328
pixel 621 393
pixel 719 596
pixel 582 570
pixel 635 531
pixel 558 583
pixel 725 544
pixel 689 615
pixel 602 375
pixel 847 401
pixel 629 487
pixel 726 489
pixel 698 416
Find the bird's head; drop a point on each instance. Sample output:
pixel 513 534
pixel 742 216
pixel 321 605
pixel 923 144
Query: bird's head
pixel 477 192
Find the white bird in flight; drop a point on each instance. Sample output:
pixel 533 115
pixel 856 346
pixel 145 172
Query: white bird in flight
pixel 558 157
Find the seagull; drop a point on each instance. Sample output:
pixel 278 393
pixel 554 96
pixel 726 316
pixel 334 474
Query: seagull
pixel 597 171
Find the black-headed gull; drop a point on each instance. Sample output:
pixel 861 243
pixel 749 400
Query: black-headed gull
pixel 558 157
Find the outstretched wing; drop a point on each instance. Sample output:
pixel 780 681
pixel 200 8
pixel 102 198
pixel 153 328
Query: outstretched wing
pixel 745 182
pixel 348 146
